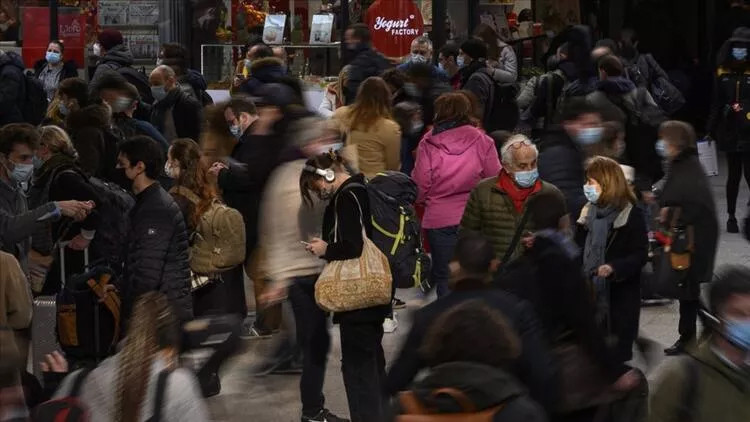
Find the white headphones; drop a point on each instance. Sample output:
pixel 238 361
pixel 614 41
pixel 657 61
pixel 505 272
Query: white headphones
pixel 327 174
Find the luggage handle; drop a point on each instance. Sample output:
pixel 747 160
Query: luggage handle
pixel 86 266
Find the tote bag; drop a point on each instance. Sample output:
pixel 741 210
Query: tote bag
pixel 356 283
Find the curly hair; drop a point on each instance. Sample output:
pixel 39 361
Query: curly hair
pixel 193 175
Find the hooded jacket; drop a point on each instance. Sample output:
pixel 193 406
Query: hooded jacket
pixel 114 59
pixel 12 88
pixel 485 386
pixel 614 87
pixel 263 71
pixel 449 165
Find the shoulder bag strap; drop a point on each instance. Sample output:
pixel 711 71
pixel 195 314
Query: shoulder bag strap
pixel 187 193
pixel 75 391
pixel 516 237
pixel 161 390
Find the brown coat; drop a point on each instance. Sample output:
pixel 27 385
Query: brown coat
pixel 15 296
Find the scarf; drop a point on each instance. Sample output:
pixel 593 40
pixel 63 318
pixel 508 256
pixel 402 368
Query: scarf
pixel 55 162
pixel 517 194
pixel 599 223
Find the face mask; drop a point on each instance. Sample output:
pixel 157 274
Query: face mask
pixel 417 58
pixel 248 64
pixel 168 170
pixel 121 179
pixel 460 61
pixel 619 149
pixel 412 90
pixel 97 50
pixel 53 57
pixel 739 53
pixel 526 179
pixel 22 173
pixel 63 109
pixel 37 162
pixel 589 135
pixel 441 67
pixel 661 148
pixel 592 195
pixel 416 127
pixel 324 149
pixel 159 92
pixel 738 333
pixel 235 130
pixel 325 195
pixel 120 104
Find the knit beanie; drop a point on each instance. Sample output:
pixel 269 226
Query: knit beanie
pixel 109 38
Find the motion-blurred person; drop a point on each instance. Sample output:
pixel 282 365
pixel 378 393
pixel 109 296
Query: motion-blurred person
pixel 612 233
pixel 126 100
pixel 72 94
pixel 263 71
pixel 252 52
pixel 15 315
pixel 53 68
pixel 408 115
pixel 157 243
pixel 480 376
pixel 448 63
pixel 369 127
pixel 124 387
pixel 59 178
pixel 727 121
pixel 175 113
pixel 18 144
pixel 293 271
pixel 190 80
pixel 711 382
pixel 116 58
pixel 12 95
pixel 346 220
pixel 363 59
pixel 396 80
pixel 423 88
pixel 334 95
pixel 561 153
pixel 216 141
pixel 501 58
pixel 451 160
pixel 473 263
pixel 90 129
pixel 687 188
pixel 497 205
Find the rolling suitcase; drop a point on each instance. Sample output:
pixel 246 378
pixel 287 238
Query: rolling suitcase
pixel 44 321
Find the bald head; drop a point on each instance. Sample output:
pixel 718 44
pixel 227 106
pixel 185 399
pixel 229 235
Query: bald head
pixel 163 76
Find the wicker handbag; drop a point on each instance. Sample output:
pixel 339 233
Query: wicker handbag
pixel 356 283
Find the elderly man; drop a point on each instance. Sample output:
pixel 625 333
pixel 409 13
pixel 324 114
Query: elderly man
pixel 421 52
pixel 176 114
pixel 497 206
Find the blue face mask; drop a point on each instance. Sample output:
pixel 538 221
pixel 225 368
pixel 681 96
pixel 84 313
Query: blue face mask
pixel 738 333
pixel 526 179
pixel 159 92
pixel 63 109
pixel 460 61
pixel 739 53
pixel 592 195
pixel 589 135
pixel 661 148
pixel 236 131
pixel 441 67
pixel 53 57
pixel 37 162
pixel 417 58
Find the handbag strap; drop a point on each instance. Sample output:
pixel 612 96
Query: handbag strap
pixel 161 390
pixel 336 216
pixel 516 237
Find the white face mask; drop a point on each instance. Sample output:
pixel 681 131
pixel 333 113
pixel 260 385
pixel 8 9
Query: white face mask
pixel 97 50
pixel 169 171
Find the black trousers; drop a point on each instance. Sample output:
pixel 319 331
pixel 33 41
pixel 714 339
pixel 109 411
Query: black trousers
pixel 688 318
pixel 315 341
pixel 736 161
pixel 363 368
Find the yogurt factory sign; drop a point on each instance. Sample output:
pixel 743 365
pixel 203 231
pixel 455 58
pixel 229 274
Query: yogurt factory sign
pixel 394 24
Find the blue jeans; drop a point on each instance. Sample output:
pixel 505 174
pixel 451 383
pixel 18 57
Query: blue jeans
pixel 442 245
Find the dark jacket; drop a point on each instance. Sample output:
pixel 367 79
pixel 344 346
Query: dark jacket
pixel 187 114
pixel 426 100
pixel 367 62
pixel 561 163
pixel 535 367
pixel 626 253
pixel 252 161
pixel 688 188
pixel 157 253
pixel 549 277
pixel 194 82
pixel 12 88
pixel 548 91
pixel 114 59
pixel 485 386
pixel 95 142
pixel 349 242
pixel 264 71
pixel 611 87
pixel 69 70
pixel 475 80
pixel 727 126
pixel 127 127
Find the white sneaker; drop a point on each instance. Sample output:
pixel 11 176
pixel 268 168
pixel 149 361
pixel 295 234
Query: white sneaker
pixel 390 324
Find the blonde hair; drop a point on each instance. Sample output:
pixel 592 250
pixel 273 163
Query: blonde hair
pixel 615 188
pixel 58 141
pixel 373 103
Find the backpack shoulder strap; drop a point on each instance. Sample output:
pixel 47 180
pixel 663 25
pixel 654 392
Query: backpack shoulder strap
pixel 75 391
pixel 161 390
pixel 187 193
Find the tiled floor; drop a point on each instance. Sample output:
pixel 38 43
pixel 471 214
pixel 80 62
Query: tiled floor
pixel 276 398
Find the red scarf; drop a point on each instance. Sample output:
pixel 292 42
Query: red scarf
pixel 517 194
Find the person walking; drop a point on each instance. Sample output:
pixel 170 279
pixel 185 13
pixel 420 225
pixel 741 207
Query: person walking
pixel 370 129
pixel 346 220
pixel 687 188
pixel 364 61
pixel 451 160
pixel 53 68
pixel 612 233
pixel 175 113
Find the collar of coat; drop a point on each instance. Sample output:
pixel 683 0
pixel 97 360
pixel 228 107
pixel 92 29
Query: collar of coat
pixel 619 222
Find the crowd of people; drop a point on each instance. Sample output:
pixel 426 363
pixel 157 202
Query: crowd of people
pixel 541 207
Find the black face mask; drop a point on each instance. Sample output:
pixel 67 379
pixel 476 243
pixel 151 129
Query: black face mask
pixel 121 179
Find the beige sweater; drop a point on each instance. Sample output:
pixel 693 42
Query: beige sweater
pixel 378 149
pixel 287 222
pixel 15 296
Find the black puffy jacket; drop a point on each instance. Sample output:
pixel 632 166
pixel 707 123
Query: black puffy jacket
pixel 367 62
pixel 11 88
pixel 157 253
pixel 561 164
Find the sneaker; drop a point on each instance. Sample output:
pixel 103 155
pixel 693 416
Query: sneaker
pixel 398 303
pixel 390 324
pixel 324 415
pixel 732 226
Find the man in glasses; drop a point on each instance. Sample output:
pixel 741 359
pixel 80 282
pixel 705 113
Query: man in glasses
pixel 497 207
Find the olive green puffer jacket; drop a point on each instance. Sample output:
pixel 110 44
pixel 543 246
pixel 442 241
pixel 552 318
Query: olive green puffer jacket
pixel 490 211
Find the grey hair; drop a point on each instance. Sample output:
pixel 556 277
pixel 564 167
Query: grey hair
pixel 165 70
pixel 424 40
pixel 506 152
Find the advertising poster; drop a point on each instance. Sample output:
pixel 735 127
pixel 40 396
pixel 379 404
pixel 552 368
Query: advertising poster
pixel 273 30
pixel 71 30
pixel 113 12
pixel 394 24
pixel 143 12
pixel 321 28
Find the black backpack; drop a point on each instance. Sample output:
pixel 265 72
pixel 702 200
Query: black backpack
pixel 396 229
pixel 501 111
pixel 139 79
pixel 34 104
pixel 665 94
